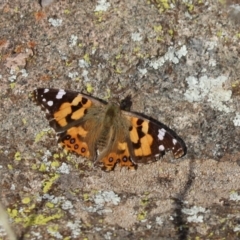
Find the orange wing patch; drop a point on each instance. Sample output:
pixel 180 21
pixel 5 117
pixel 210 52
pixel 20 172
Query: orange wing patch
pixel 121 156
pixel 66 109
pixel 141 139
pixel 71 141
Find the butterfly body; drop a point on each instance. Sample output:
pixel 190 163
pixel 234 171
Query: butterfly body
pixel 104 132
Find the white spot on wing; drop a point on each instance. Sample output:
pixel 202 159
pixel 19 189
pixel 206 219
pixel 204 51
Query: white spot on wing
pixel 161 133
pixel 174 141
pixel 60 94
pixel 50 103
pixel 161 148
pixel 44 99
pixel 46 90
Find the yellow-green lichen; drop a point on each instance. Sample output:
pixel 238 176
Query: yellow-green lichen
pixel 159 39
pixel 30 208
pixel 190 7
pixel 170 32
pixel 12 85
pixel 12 212
pixel 26 200
pixel 87 58
pixel 42 167
pixel 10 167
pixel 136 49
pixel 48 183
pixel 68 63
pixel 118 70
pixel 66 238
pixel 32 219
pixel 41 219
pixel 89 87
pixel 162 5
pixel 108 94
pixel 119 56
pixel 49 205
pixel 54 228
pixel 141 216
pixel 17 156
pixel 85 196
pixel 219 33
pixel 157 28
pixel 144 201
pixel 24 121
pixel 55 164
pixel 67 11
pixel 40 135
pixel 56 155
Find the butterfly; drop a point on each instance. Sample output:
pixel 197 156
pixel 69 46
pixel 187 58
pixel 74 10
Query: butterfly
pixel 105 132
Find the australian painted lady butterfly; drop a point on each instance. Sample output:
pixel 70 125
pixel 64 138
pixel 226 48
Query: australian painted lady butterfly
pixel 105 132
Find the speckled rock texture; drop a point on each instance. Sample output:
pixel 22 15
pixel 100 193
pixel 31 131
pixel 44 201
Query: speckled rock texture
pixel 180 62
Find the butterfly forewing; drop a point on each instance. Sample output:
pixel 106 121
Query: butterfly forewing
pixel 151 139
pixel 64 108
pixel 52 99
pixel 166 140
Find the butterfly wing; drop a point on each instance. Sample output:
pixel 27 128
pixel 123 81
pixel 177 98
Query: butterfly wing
pixel 150 139
pixel 67 112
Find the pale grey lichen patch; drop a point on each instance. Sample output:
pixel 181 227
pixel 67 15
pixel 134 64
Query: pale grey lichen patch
pixel 103 6
pixel 234 196
pixel 73 75
pixel 75 227
pixel 64 168
pixel 24 72
pixel 159 220
pixel 53 199
pixel 44 159
pixel 108 235
pixel 2 232
pixel 234 12
pixel 172 55
pixel 55 22
pixel 236 228
pixel 136 37
pixel 13 76
pixel 67 205
pixel 143 71
pixel 211 89
pixel 83 64
pixel 193 213
pixel 13 187
pixel 106 197
pixel 37 235
pixel 236 120
pixel 54 233
pixel 102 198
pixel 73 40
